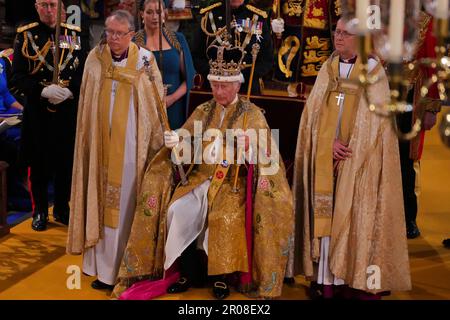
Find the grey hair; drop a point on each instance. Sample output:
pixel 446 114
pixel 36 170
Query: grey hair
pixel 122 16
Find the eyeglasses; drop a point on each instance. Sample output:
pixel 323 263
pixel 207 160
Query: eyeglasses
pixel 343 34
pixel 116 34
pixel 46 5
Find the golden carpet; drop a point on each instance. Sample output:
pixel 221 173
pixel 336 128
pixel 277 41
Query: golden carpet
pixel 34 265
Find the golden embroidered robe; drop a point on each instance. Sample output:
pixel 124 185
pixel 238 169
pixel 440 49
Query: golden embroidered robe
pixel 89 196
pixel 227 249
pixel 367 216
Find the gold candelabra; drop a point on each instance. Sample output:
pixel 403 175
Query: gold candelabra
pixel 400 84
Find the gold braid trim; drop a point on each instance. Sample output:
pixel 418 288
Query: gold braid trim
pixel 139 38
pixel 206 9
pixel 172 39
pixel 262 13
pixel 27 26
pixel 43 52
pixel 203 24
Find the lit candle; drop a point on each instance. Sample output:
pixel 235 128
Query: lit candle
pixel 361 15
pixel 442 9
pixel 396 29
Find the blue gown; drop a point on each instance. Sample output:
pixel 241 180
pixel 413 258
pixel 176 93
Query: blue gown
pixel 172 76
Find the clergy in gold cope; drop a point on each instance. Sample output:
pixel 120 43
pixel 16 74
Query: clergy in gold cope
pixel 118 133
pixel 347 183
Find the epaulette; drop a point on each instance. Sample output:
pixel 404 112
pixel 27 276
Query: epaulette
pixel 7 54
pixel 27 26
pixel 208 8
pixel 262 13
pixel 71 27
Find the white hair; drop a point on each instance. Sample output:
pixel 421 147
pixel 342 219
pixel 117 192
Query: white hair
pixel 122 16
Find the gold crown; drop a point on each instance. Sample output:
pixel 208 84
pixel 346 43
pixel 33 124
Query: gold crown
pixel 225 60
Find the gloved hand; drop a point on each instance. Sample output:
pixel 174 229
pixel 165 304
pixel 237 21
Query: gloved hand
pixel 277 25
pixel 56 94
pixel 179 4
pixel 171 139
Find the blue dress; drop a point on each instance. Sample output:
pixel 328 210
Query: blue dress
pixel 172 76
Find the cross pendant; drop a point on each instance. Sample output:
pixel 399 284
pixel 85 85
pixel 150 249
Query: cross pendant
pixel 339 98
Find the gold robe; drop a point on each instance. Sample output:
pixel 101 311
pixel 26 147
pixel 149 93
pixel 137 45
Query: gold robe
pixel 227 249
pixel 88 195
pixel 368 224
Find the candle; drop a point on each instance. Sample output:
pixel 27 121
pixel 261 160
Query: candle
pixel 396 28
pixel 442 9
pixel 361 15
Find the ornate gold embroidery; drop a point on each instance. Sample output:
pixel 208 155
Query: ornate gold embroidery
pixel 337 7
pixel 290 45
pixel 309 70
pixel 311 57
pixel 293 8
pixel 112 196
pixel 314 15
pixel 316 43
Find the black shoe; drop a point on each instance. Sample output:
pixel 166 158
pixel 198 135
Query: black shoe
pixel 412 231
pixel 182 285
pixel 289 281
pixel 61 218
pixel 98 285
pixel 315 291
pixel 446 243
pixel 40 220
pixel 221 290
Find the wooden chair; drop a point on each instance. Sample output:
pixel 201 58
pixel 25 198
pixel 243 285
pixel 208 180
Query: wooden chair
pixel 4 228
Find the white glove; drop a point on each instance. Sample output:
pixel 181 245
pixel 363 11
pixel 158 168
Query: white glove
pixel 277 25
pixel 56 94
pixel 179 4
pixel 171 139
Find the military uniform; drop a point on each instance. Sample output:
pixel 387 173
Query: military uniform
pixel 249 25
pixel 48 131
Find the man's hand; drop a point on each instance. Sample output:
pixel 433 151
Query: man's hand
pixel 429 120
pixel 341 151
pixel 56 94
pixel 171 139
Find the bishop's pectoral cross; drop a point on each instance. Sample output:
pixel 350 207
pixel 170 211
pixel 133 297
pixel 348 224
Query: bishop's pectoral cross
pixel 339 98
